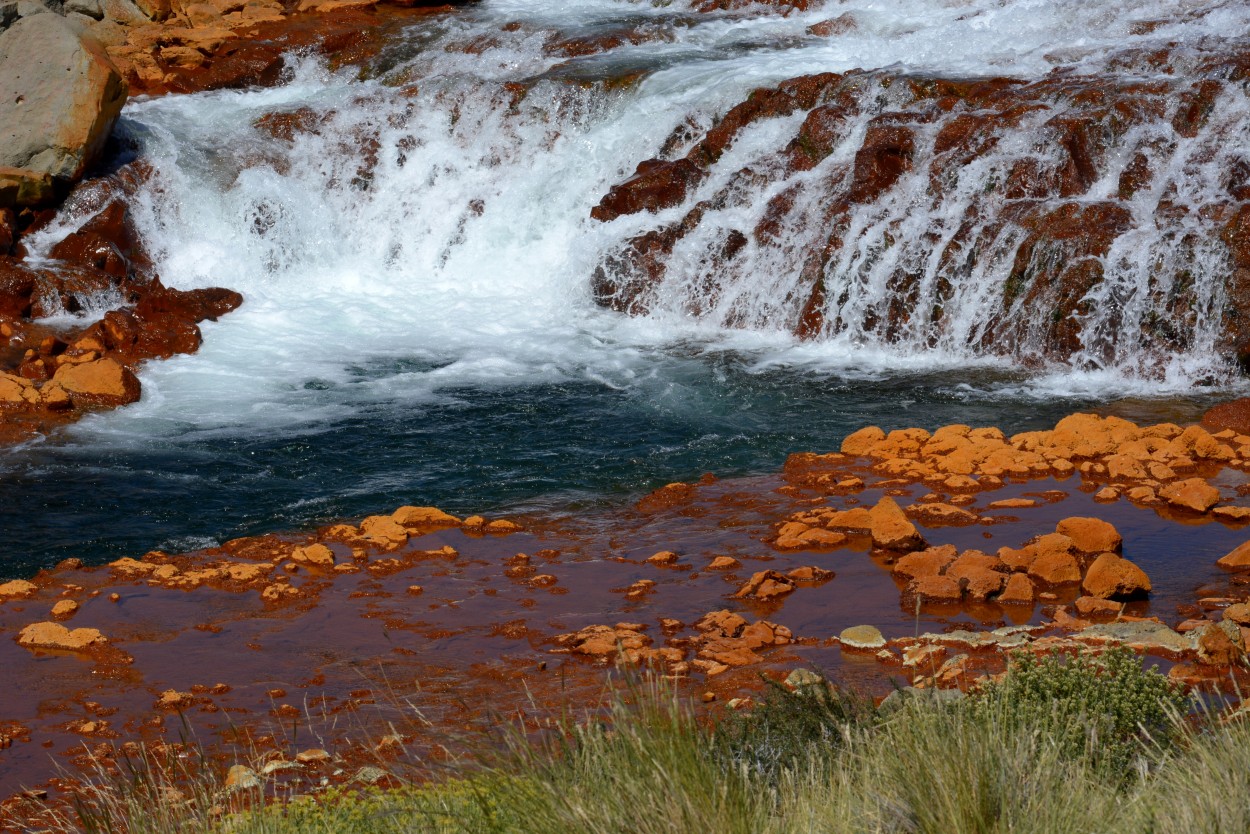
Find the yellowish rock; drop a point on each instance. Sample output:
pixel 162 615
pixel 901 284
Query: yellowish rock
pixel 56 636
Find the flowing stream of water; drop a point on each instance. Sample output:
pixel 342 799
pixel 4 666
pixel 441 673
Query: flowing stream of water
pixel 419 325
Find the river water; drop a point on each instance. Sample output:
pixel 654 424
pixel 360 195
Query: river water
pixel 419 326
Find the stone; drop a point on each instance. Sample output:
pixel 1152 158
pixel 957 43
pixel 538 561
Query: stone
pixel 862 442
pixel 383 529
pixel 56 636
pixel 1144 635
pixel 724 563
pixel 59 97
pixel 1193 494
pixel 890 528
pixel 1113 577
pixel 664 557
pixel 1017 591
pixel 942 515
pixel 1238 613
pixel 1091 607
pixel 17 588
pixel 1090 535
pixel 1238 559
pixel 810 573
pixel 1220 644
pixel 1232 514
pixel 932 561
pixel 64 609
pixel 241 778
pixel 1012 504
pixel 766 585
pixel 979 574
pixel 862 637
pixel 312 756
pixel 317 555
pixel 935 589
pixel 801 679
pixel 1107 495
pixel 1055 567
pixel 103 382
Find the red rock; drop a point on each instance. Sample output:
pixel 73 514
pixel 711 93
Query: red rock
pixel 102 382
pixel 1090 535
pixel 1112 577
pixel 1217 648
pixel 979 574
pixel 1192 494
pixel 725 623
pixel 1017 591
pixel 56 636
pixel 890 528
pixel 935 589
pixel 424 517
pixel 1238 559
pixel 1091 607
pixel 654 186
pixel 766 585
pixel 1055 567
pixel 930 562
pixel 862 442
pixel 1233 415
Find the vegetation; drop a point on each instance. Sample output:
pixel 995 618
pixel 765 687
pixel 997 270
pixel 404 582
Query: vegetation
pixel 1086 744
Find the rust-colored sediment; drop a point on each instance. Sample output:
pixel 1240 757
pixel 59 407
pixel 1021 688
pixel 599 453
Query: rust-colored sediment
pixel 958 545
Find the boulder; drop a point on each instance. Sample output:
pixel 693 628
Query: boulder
pixel 101 382
pixel 1018 591
pixel 1191 494
pixel 890 528
pixel 56 636
pixel 424 517
pixel 1238 559
pixel 317 555
pixel 861 637
pixel 1113 577
pixel 1091 535
pixel 59 97
pixel 979 574
pixel 17 588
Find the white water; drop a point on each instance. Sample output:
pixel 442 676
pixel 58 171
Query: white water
pixel 462 258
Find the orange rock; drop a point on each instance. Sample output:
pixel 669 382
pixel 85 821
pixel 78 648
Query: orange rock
pixel 890 528
pixel 1217 646
pixel 1017 591
pixel 961 483
pixel 664 557
pixel 863 441
pixel 935 589
pixel 424 517
pixel 1013 504
pixel 1054 566
pixel 1090 535
pixel 383 529
pixel 724 563
pixel 766 585
pixel 942 515
pixel 57 636
pixel 17 588
pixel 858 519
pixel 317 555
pixel 1142 495
pixel 979 574
pixel 1092 607
pixel 809 573
pixel 930 562
pixel 1234 514
pixel 1192 494
pixel 1113 577
pixel 1126 468
pixel 1107 494
pixel 65 609
pixel 1238 613
pixel 724 622
pixel 102 382
pixel 1238 559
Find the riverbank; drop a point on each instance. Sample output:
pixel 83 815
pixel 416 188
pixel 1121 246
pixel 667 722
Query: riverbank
pixel 910 558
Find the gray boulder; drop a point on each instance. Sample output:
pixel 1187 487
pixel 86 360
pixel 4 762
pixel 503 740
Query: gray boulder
pixel 59 97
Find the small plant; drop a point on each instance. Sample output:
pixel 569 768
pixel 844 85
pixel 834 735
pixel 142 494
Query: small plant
pixel 1105 707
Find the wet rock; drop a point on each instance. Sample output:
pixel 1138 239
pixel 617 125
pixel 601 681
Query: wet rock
pixel 655 185
pixel 104 382
pixel 312 756
pixel 1238 613
pixel 241 778
pixel 1220 644
pixel 59 96
pixel 601 641
pixel 890 528
pixel 1113 577
pixel 56 636
pixel 1090 535
pixel 1140 636
pixel 766 585
pixel 942 515
pixel 932 561
pixel 64 609
pixel 1018 590
pixel 935 589
pixel 1055 567
pixel 384 530
pixel 724 563
pixel 664 557
pixel 1193 494
pixel 1238 559
pixel 424 517
pixel 980 575
pixel 317 555
pixel 17 588
pixel 862 637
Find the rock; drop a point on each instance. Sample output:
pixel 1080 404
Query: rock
pixel 862 637
pixel 1113 577
pixel 64 609
pixel 17 588
pixel 929 562
pixel 424 517
pixel 57 636
pixel 1017 591
pixel 802 679
pixel 1055 567
pixel 23 187
pixel 1090 535
pixel 1012 504
pixel 383 529
pixel 664 557
pixel 1144 635
pixel 936 589
pixel 1238 559
pixel 810 573
pixel 173 699
pixel 1233 415
pixel 59 97
pixel 1191 494
pixel 890 528
pixel 102 382
pixel 942 515
pixel 766 585
pixel 1232 514
pixel 317 555
pixel 1220 644
pixel 862 442
pixel 979 574
pixel 1238 613
pixel 312 756
pixel 724 563
pixel 241 778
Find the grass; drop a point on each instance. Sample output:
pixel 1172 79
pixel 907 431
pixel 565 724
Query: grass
pixel 1069 745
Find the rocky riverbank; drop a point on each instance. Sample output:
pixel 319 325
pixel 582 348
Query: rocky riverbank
pixel 913 558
